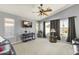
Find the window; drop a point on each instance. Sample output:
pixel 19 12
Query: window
pixel 63 28
pixel 9 27
pixel 47 30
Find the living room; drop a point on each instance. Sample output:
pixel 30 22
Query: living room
pixel 30 32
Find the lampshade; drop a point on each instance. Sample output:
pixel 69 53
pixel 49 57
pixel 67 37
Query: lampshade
pixel 53 30
pixel 25 23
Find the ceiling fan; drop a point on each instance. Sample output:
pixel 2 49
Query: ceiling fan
pixel 43 11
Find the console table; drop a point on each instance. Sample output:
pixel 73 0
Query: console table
pixel 27 36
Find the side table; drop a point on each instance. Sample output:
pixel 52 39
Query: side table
pixel 53 39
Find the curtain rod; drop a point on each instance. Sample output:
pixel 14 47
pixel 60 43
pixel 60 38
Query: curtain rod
pixel 63 18
pixel 58 18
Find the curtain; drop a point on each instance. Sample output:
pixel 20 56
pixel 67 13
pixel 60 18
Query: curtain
pixel 56 25
pixel 71 29
pixel 44 33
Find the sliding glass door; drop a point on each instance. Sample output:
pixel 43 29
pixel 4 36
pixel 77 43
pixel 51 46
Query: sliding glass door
pixel 64 29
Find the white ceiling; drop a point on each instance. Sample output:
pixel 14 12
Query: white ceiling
pixel 26 10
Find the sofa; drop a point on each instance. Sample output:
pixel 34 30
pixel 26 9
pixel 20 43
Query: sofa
pixel 75 44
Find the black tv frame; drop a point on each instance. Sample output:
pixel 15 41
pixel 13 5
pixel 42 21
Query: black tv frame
pixel 25 26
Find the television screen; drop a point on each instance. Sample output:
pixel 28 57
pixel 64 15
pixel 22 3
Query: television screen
pixel 26 24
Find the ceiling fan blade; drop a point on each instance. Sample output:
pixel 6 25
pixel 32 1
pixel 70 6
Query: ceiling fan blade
pixel 48 10
pixel 40 14
pixel 45 14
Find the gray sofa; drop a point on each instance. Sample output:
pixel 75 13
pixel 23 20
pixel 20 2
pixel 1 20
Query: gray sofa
pixel 75 44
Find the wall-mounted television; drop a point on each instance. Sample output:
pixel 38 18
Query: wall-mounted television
pixel 26 23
